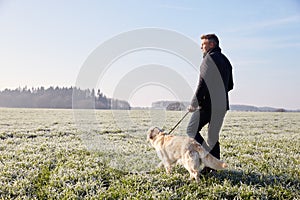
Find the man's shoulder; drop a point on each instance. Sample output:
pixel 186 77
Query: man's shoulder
pixel 218 56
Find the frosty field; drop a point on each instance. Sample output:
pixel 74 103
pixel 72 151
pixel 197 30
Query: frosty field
pixel 46 154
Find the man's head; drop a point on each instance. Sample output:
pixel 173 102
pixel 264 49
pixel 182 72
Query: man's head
pixel 208 42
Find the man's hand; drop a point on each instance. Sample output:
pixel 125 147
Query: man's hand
pixel 191 108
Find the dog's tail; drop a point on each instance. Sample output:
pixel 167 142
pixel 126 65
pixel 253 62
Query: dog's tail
pixel 209 160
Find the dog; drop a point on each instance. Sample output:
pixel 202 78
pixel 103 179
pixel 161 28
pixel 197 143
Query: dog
pixel 181 150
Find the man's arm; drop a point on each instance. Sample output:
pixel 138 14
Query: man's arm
pixel 200 93
pixel 201 90
pixel 198 97
pixel 230 83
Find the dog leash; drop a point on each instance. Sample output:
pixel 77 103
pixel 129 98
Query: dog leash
pixel 178 123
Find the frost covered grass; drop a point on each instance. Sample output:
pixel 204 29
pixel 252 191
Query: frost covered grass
pixel 44 155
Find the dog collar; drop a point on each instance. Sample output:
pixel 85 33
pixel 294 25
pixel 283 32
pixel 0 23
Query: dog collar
pixel 159 130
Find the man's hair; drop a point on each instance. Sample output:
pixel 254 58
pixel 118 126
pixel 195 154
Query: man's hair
pixel 211 38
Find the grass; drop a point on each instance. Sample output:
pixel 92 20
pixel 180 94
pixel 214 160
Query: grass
pixel 45 155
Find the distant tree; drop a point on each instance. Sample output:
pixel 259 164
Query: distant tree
pixel 57 98
pixel 176 106
pixel 280 110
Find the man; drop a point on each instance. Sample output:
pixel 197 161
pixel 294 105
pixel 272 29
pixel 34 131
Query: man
pixel 210 102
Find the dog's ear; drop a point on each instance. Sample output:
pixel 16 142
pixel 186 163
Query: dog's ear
pixel 152 134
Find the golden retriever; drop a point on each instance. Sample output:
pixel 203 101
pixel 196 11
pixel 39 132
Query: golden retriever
pixel 181 150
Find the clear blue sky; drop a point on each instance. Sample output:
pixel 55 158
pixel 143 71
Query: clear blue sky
pixel 45 43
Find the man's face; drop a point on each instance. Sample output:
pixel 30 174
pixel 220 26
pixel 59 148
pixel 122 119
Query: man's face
pixel 206 45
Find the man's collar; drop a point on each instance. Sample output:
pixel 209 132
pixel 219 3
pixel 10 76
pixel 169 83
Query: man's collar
pixel 215 49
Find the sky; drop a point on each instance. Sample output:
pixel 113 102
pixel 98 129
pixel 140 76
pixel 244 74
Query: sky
pixel 45 43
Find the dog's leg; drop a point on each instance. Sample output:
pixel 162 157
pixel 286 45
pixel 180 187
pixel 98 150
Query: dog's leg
pixel 196 176
pixel 179 162
pixel 168 168
pixel 191 163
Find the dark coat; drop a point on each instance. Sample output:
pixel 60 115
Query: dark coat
pixel 202 97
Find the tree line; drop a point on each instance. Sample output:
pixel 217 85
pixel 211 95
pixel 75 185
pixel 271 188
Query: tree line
pixel 59 97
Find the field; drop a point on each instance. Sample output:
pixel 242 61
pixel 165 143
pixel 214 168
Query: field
pixel 46 154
